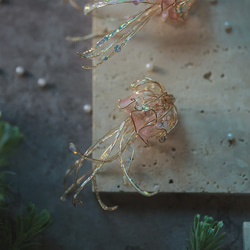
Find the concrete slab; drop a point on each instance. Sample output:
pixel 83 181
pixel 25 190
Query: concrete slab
pixel 203 64
pixel 246 235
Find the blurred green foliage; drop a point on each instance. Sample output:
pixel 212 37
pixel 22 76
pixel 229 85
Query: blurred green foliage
pixel 18 234
pixel 10 139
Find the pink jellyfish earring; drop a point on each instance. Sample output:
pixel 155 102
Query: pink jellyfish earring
pixel 152 114
pixel 113 42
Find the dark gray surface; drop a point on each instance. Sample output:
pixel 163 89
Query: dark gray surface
pixel 32 35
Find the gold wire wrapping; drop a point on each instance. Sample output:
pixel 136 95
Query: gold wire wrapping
pixel 152 113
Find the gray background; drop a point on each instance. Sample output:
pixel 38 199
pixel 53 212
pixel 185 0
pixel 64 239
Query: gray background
pixel 32 34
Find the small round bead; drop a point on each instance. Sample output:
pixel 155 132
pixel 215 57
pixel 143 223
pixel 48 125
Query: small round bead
pixel 228 27
pixel 230 139
pixel 150 67
pixel 230 136
pixel 20 70
pixel 42 82
pixel 87 108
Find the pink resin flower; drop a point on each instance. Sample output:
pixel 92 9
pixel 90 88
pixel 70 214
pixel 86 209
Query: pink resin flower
pixel 175 10
pixel 152 111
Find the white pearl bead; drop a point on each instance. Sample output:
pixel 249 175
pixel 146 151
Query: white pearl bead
pixel 20 70
pixel 228 27
pixel 150 67
pixel 42 82
pixel 230 137
pixel 87 108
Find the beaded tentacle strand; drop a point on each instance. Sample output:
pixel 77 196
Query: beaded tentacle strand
pixel 152 113
pixel 113 42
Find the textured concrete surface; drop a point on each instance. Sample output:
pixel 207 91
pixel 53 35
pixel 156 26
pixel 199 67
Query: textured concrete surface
pixel 32 35
pixel 203 65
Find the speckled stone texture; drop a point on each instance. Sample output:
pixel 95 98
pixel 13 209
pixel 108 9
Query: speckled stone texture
pixel 203 64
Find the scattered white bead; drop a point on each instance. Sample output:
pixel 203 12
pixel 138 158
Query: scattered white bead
pixel 62 198
pixel 230 137
pixel 228 27
pixel 20 70
pixel 150 67
pixel 42 82
pixel 87 108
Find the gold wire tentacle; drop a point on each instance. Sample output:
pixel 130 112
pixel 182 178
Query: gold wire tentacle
pixel 125 173
pixel 98 166
pixel 119 37
pixel 103 206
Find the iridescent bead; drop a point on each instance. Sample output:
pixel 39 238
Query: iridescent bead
pixel 72 148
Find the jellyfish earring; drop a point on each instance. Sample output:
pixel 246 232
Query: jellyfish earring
pixel 151 114
pixel 113 42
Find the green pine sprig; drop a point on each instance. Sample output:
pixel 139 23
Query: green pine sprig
pixel 205 235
